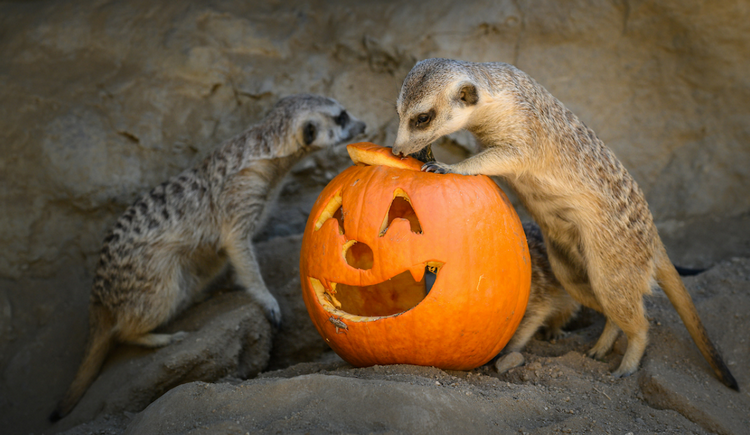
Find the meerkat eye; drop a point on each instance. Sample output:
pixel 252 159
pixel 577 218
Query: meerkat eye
pixel 423 119
pixel 309 133
pixel 342 119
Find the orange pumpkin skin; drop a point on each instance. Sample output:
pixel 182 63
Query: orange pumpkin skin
pixel 468 226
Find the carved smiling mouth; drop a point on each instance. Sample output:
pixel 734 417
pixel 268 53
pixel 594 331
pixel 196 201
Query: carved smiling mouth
pixel 393 296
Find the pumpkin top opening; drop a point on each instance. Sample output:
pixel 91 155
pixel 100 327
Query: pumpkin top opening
pixel 369 154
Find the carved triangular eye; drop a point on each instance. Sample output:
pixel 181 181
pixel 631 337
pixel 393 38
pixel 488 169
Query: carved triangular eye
pixel 401 209
pixel 333 210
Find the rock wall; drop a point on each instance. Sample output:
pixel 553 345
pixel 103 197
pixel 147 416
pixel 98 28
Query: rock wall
pixel 100 100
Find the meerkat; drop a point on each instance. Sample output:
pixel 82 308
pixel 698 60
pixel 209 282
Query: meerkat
pixel 176 238
pixel 600 236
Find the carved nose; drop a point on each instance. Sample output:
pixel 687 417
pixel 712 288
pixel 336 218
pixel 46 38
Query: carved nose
pixel 358 255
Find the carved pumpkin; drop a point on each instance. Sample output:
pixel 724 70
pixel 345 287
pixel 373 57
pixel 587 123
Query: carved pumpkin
pixel 402 266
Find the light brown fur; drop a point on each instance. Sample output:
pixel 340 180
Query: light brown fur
pixel 602 243
pixel 176 238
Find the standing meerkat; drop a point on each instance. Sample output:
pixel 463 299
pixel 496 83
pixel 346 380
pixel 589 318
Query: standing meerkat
pixel 600 236
pixel 176 238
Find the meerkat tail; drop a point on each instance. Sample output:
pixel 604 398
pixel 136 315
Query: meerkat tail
pixel 671 283
pixel 101 339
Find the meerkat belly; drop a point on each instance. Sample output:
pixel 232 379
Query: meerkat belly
pixel 250 196
pixel 560 225
pixel 554 214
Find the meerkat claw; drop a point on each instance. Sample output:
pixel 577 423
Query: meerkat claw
pixel 178 336
pixel 434 167
pixel 276 321
pixel 596 355
pixel 624 374
pixel 273 314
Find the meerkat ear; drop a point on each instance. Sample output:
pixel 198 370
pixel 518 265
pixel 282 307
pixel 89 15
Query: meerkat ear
pixel 309 133
pixel 468 94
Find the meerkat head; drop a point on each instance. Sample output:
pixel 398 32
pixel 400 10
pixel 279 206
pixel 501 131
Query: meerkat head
pixel 437 98
pixel 312 122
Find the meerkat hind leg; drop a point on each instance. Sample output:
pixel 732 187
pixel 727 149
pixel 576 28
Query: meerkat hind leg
pixel 555 324
pixel 530 324
pixel 606 340
pixel 622 305
pixel 175 287
pixel 637 341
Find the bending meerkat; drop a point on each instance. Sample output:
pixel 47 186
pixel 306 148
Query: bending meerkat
pixel 601 240
pixel 176 238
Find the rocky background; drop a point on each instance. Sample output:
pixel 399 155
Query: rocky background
pixel 99 100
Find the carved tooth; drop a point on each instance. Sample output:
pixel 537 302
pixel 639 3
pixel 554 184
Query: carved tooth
pixel 417 272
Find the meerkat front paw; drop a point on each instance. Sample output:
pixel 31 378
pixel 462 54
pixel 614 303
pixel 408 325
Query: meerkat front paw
pixel 436 167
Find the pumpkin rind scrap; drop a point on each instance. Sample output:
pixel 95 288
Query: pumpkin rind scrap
pixel 397 222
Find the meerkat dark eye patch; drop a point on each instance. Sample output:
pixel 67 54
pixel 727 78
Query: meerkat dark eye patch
pixel 309 133
pixel 342 119
pixel 468 95
pixel 423 119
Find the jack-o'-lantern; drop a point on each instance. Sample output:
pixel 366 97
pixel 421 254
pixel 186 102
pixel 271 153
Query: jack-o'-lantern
pixel 403 266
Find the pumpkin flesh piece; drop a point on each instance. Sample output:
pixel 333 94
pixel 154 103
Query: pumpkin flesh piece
pixel 366 153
